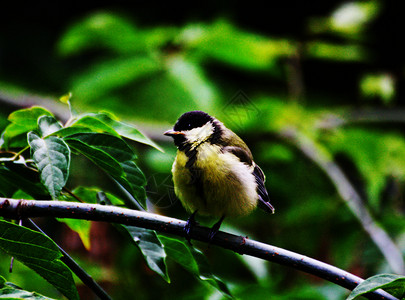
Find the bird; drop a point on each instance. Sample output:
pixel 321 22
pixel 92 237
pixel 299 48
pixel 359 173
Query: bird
pixel 214 173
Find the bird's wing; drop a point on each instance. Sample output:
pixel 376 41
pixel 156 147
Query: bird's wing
pixel 264 199
pixel 243 155
pixel 246 157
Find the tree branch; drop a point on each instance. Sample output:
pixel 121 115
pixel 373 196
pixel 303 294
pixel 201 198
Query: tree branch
pixel 19 209
pixel 351 197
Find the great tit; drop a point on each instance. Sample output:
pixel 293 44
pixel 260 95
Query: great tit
pixel 214 173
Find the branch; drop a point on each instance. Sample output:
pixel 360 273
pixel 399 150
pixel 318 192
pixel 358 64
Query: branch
pixel 351 197
pixel 18 209
pixel 79 272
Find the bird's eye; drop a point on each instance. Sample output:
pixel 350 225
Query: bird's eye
pixel 188 125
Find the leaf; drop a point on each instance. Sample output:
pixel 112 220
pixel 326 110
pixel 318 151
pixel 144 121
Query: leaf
pixel 113 145
pixel 48 125
pixel 136 180
pixel 39 253
pixel 377 155
pixel 93 123
pixel 127 174
pixel 190 77
pixel 193 261
pixel 107 30
pixel 52 157
pixel 91 195
pixel 11 291
pixel 107 76
pixel 97 156
pixel 123 129
pixel 11 180
pixel 99 30
pixel 22 121
pixel 151 248
pixel 391 283
pixel 228 44
pixel 81 227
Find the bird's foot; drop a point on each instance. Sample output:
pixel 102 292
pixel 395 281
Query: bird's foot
pixel 191 222
pixel 215 228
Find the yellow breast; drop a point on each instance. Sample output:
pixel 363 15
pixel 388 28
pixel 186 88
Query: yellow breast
pixel 218 185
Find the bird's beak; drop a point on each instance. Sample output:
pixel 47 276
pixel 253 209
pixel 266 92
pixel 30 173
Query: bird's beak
pixel 173 133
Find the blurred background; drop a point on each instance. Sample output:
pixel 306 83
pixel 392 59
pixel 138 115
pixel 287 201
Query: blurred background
pixel 314 88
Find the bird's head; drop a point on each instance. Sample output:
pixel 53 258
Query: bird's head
pixel 194 128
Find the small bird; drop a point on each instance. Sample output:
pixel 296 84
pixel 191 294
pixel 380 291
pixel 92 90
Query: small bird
pixel 214 173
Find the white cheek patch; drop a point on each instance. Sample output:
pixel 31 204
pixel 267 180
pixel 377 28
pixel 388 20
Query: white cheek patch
pixel 200 134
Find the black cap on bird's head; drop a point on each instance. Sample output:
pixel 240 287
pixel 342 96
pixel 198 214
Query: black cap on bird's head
pixel 189 121
pixel 192 119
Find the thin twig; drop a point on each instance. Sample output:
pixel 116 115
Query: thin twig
pixel 351 197
pixel 82 274
pixel 14 208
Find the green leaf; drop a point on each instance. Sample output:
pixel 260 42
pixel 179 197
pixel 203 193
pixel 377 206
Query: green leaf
pixel 107 30
pixel 226 43
pixel 22 121
pixel 377 155
pixel 190 77
pixel 11 180
pixel 97 156
pixel 136 180
pixel 11 291
pixel 193 261
pixel 81 227
pixel 99 30
pixel 126 173
pixel 391 283
pixel 123 129
pixel 113 145
pixel 107 76
pixel 152 249
pixel 48 125
pixel 93 123
pixel 39 253
pixel 52 157
pixel 91 195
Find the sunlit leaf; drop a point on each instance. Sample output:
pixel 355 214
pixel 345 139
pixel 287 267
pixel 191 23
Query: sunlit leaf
pixel 125 130
pixel 379 85
pixel 323 50
pixel 39 253
pixel 351 17
pixel 22 121
pixel 52 157
pixel 48 125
